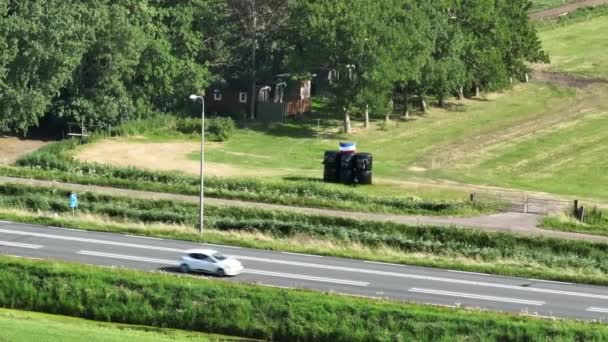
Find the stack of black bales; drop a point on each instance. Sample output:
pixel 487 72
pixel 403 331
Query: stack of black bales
pixel 347 167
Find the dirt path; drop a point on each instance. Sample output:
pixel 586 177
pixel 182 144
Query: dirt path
pixel 524 224
pixel 562 10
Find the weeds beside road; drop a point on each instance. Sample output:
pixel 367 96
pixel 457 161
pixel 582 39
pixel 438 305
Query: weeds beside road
pixel 257 312
pixel 462 249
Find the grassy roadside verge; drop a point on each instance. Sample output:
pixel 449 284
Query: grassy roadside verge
pixel 26 326
pixel 257 312
pixel 461 249
pixel 596 223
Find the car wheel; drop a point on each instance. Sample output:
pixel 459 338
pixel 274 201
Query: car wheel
pixel 184 268
pixel 220 272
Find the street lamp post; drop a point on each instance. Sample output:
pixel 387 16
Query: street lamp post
pixel 202 195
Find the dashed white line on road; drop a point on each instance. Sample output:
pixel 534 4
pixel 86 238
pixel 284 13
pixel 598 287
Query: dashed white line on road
pixel 302 254
pixel 303 277
pixel 20 245
pixel 550 281
pixel 594 309
pixel 144 237
pixel 476 296
pixel 472 273
pixel 328 267
pixel 248 271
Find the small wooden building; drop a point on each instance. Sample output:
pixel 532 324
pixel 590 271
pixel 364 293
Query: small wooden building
pixel 275 100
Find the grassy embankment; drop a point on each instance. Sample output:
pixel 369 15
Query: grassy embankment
pixel 24 326
pixel 54 162
pixel 461 249
pixel 258 312
pixel 596 222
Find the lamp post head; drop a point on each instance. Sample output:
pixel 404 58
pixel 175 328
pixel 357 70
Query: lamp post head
pixel 195 97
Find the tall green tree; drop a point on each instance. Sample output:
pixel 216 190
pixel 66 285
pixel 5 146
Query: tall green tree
pixel 340 35
pixel 43 44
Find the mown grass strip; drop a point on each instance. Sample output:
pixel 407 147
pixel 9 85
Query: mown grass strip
pixel 461 249
pixel 18 325
pixel 257 312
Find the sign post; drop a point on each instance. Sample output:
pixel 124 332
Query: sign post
pixel 73 202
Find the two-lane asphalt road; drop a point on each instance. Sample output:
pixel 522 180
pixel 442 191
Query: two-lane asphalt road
pixel 345 276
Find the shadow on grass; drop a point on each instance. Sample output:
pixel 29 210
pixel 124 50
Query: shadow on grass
pixel 303 179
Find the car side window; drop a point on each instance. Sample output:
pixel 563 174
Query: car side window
pixel 204 257
pixel 193 256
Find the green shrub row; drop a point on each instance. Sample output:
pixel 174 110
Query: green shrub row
pixel 509 254
pixel 257 312
pixel 217 128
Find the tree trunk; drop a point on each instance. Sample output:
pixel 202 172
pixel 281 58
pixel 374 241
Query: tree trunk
pixel 422 104
pixel 511 80
pixel 527 77
pixel 461 93
pixel 366 124
pixel 406 106
pixel 441 101
pixel 347 126
pixel 387 117
pixel 477 92
pixel 253 63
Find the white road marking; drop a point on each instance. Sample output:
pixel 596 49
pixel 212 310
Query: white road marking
pixel 88 240
pixel 303 277
pixel 4 222
pixel 144 237
pixel 472 273
pixel 20 245
pixel 129 257
pixel 222 246
pixel 593 309
pixel 325 267
pixel 249 271
pixel 428 278
pixel 382 263
pixel 475 296
pixel 550 281
pixel 302 254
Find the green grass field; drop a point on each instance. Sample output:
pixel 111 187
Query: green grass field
pixel 579 47
pixel 535 136
pixel 24 326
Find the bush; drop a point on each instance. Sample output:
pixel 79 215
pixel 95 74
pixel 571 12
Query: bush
pixel 258 312
pixel 189 126
pixel 220 128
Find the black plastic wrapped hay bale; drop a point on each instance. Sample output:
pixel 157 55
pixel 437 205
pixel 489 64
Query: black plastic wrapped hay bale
pixel 347 168
pixel 331 169
pixel 363 168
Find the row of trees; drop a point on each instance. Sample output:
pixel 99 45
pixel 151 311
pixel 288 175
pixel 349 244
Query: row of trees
pixel 107 61
pixel 439 48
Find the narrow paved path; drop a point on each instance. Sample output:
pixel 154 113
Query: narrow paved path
pixel 556 12
pixel 525 224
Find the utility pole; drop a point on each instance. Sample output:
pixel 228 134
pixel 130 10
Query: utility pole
pixel 202 166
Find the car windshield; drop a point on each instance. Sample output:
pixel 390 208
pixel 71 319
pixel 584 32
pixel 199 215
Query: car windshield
pixel 219 257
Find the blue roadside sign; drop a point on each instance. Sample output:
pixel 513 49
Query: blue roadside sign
pixel 73 201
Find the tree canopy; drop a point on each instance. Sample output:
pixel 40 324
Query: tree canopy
pixel 107 61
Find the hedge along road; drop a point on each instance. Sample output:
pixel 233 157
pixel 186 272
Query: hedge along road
pixel 517 223
pixel 558 11
pixel 343 276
